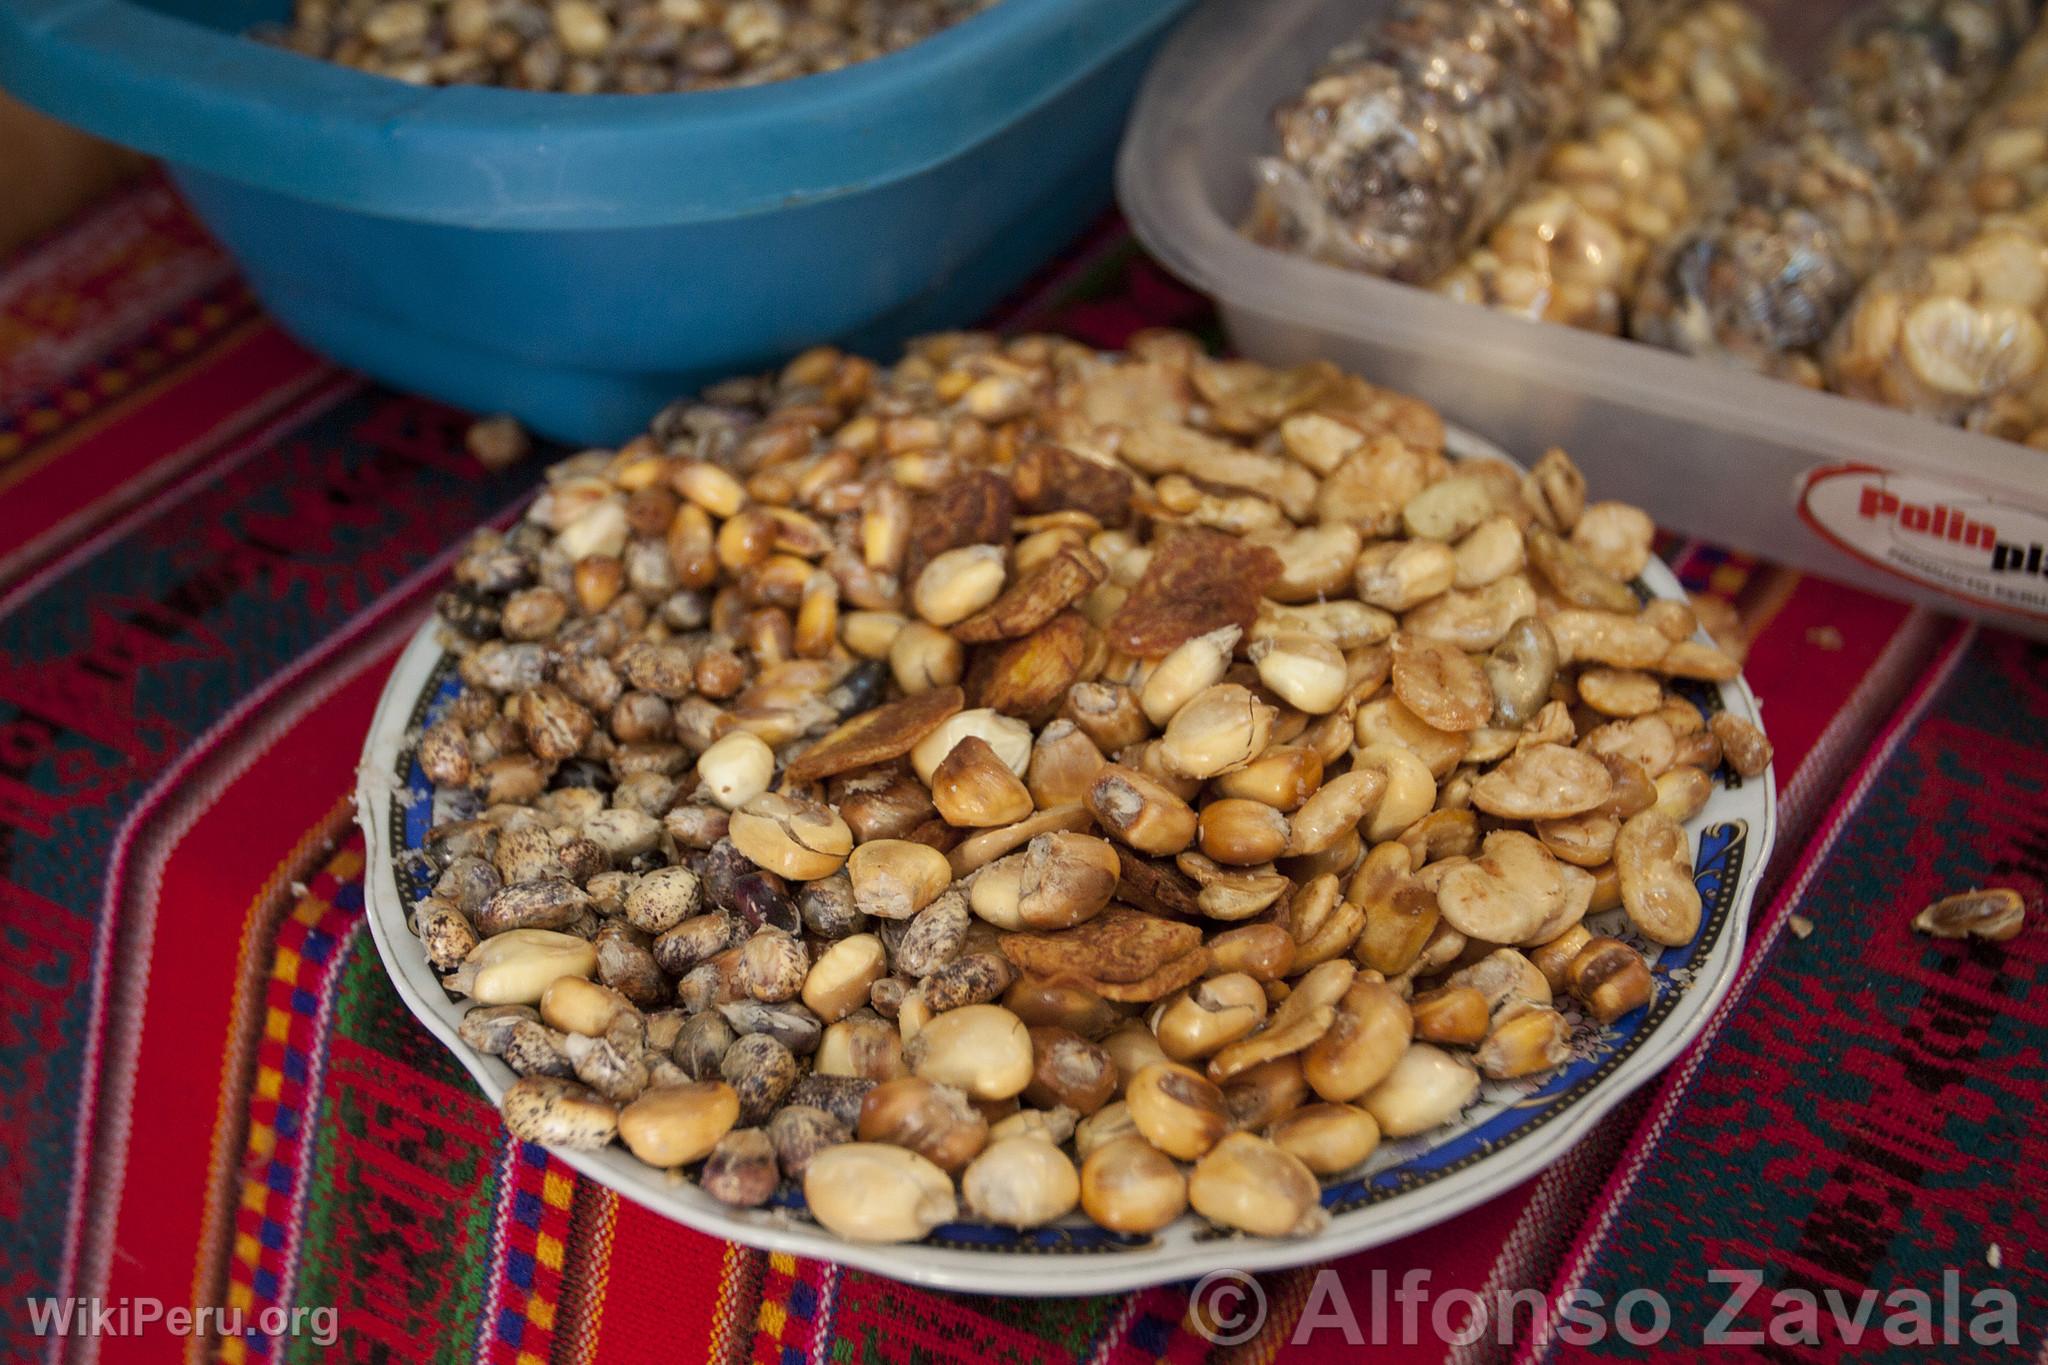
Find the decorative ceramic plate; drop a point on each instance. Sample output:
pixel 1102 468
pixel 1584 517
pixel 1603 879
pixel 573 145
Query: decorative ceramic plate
pixel 1513 1130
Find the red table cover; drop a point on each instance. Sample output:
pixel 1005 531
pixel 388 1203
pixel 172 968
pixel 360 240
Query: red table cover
pixel 212 545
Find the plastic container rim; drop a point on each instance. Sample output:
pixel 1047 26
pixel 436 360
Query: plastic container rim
pixel 313 130
pixel 1161 190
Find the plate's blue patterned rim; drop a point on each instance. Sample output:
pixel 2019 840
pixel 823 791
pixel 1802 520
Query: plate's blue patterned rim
pixel 1718 864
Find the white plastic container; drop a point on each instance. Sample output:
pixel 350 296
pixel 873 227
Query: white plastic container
pixel 1859 493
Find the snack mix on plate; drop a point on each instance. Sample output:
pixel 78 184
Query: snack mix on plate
pixel 1028 777
pixel 633 47
pixel 1574 244
pixel 1413 137
pixel 1815 207
pixel 1955 325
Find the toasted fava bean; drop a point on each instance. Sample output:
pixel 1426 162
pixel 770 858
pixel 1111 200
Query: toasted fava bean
pixel 1582 840
pixel 576 1005
pixel 839 981
pixel 1427 1086
pixel 1283 777
pixel 862 1044
pixel 893 879
pixel 1610 978
pixel 1533 1041
pixel 1385 720
pixel 1010 739
pixel 1264 952
pixel 1140 811
pixel 736 769
pixel 1327 1138
pixel 1064 762
pixel 1456 1015
pixel 1251 1184
pixel 1177 1109
pixel 1997 915
pixel 517 967
pixel 1202 1019
pixel 935 1121
pixel 1620 691
pixel 674 1125
pixel 1683 793
pixel 801 840
pixel 1742 744
pixel 1305 671
pixel 1069 1072
pixel 1507 893
pixel 1370 1030
pixel 1489 552
pixel 1441 683
pixel 983 1049
pixel 1546 782
pixel 1021 1182
pixel 1615 538
pixel 798 1132
pixel 1607 637
pixel 559 1113
pixel 1241 832
pixel 1223 727
pixel 1657 887
pixel 1130 1186
pixel 1691 659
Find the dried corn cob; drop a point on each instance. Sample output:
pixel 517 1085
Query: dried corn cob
pixel 1812 210
pixel 1414 137
pixel 1955 326
pixel 1573 247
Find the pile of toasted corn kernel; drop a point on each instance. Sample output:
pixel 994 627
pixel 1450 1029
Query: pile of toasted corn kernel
pixel 1955 326
pixel 1027 778
pixel 1817 205
pixel 1574 245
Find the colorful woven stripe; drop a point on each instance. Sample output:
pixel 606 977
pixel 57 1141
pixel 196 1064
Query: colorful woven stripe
pixel 207 563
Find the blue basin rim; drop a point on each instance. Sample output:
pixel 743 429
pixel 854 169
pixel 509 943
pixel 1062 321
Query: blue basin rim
pixel 512 159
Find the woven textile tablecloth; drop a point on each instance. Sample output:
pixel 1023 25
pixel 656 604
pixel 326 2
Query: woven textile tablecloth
pixel 212 545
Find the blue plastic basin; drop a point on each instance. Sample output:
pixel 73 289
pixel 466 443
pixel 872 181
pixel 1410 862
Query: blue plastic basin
pixel 579 260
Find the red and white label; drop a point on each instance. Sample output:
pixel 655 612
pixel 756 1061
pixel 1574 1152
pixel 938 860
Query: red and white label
pixel 1989 552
